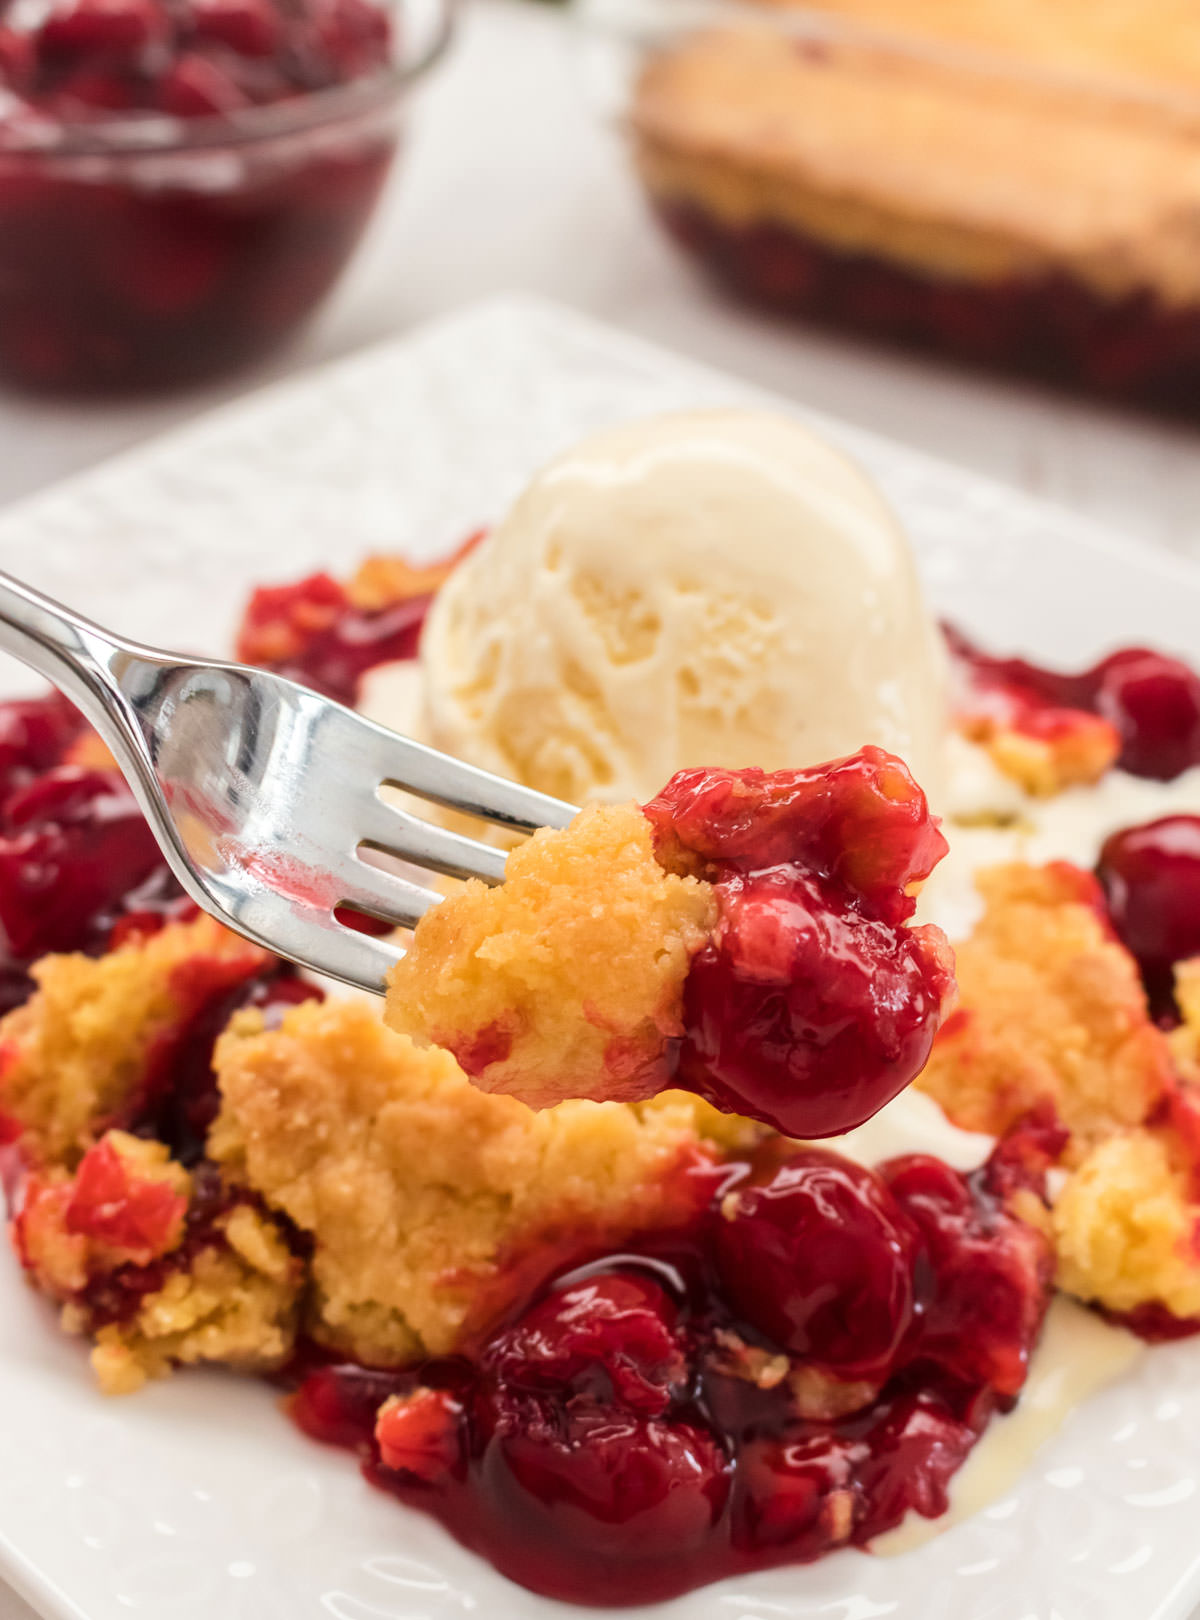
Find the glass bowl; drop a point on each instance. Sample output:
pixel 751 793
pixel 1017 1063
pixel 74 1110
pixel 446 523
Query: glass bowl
pixel 147 251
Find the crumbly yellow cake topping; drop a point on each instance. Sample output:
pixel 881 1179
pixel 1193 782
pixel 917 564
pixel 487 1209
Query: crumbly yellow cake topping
pixel 572 970
pixel 1125 1227
pixel 224 1289
pixel 1050 1009
pixel 1154 40
pixel 414 1186
pixel 74 1053
pixel 235 1303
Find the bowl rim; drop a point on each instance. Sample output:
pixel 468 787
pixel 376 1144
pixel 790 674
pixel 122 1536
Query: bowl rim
pixel 159 135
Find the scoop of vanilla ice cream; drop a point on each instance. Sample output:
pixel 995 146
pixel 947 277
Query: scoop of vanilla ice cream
pixel 711 588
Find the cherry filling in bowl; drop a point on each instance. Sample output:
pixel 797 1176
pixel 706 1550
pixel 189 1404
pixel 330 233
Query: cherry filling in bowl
pixel 182 181
pixel 808 1360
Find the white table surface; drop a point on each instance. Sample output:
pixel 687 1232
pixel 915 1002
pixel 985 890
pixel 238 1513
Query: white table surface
pixel 512 182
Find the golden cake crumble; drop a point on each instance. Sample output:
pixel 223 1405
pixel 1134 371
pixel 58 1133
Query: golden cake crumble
pixel 153 1267
pixel 573 968
pixel 1052 1013
pixel 416 1188
pixel 81 1048
pixel 1126 1227
pixel 1077 753
pixel 1051 1009
pixel 234 1303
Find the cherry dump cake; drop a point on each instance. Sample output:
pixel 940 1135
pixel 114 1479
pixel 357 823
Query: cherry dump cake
pixel 554 1251
pixel 1006 184
pixel 742 937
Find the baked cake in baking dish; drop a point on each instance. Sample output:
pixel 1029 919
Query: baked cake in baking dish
pixel 1013 184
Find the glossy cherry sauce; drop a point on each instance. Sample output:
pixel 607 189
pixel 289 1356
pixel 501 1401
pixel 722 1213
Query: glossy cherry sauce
pixel 808 1360
pixel 78 863
pixel 312 632
pixel 1151 700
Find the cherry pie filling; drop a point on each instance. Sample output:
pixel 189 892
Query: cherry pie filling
pixel 805 1362
pixel 79 867
pixel 1049 327
pixel 328 635
pixel 804 1359
pixel 812 1005
pixel 1149 700
pixel 133 268
pixel 1150 874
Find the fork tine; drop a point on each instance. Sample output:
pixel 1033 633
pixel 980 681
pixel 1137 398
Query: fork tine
pixel 342 953
pixel 417 769
pixel 383 894
pixel 396 831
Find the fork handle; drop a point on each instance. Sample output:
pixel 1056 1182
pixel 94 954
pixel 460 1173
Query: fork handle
pixel 74 654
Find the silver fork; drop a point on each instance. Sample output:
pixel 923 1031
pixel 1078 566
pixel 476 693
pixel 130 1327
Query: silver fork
pixel 265 796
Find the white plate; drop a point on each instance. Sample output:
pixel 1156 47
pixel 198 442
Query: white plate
pixel 196 1500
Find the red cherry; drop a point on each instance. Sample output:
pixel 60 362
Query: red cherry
pixel 112 1204
pixel 75 843
pixel 597 1499
pixel 420 1434
pixel 1151 881
pixel 18 61
pixel 340 1405
pixel 90 90
pixel 798 1493
pixel 1154 702
pixel 352 37
pixel 915 1446
pixel 821 1259
pixel 804 1013
pixel 252 28
pixel 117 29
pixel 194 87
pixel 609 1337
pixel 861 822
pixel 34 735
pixel 990 1274
pixel 812 1006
